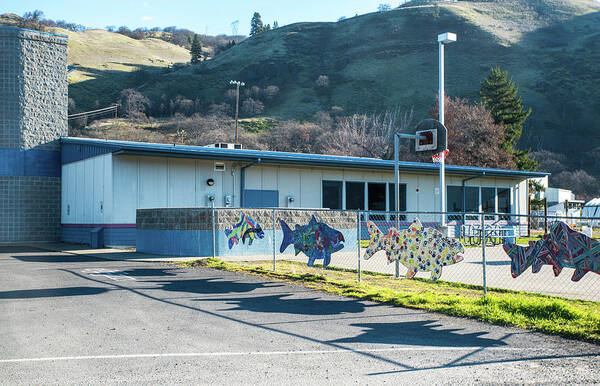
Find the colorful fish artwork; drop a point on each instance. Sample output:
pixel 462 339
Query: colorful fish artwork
pixel 246 228
pixel 417 248
pixel 316 240
pixel 562 247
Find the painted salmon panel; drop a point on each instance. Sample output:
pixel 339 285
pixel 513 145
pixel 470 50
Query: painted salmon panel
pixel 245 228
pixel 562 247
pixel 417 248
pixel 316 240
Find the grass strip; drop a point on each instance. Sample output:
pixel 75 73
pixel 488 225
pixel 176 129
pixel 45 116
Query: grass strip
pixel 569 318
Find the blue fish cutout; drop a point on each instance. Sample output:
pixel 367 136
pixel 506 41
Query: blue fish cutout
pixel 246 228
pixel 316 240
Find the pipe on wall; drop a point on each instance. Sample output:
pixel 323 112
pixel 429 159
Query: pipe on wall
pixel 243 179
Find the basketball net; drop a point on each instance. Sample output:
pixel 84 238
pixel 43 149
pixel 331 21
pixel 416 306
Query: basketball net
pixel 437 158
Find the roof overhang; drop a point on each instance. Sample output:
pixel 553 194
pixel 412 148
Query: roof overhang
pixel 93 147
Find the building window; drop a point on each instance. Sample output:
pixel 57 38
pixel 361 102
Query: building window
pixel 504 202
pixel 488 201
pixel 454 201
pixel 355 195
pixel 376 197
pixel 472 199
pixel 332 194
pixel 376 200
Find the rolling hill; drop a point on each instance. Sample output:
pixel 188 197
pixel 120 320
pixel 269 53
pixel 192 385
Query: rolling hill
pixel 382 60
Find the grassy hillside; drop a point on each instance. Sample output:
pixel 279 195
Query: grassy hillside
pixel 108 62
pixel 376 61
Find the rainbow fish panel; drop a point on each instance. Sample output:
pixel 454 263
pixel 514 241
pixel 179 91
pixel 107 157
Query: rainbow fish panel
pixel 245 228
pixel 316 240
pixel 562 247
pixel 417 248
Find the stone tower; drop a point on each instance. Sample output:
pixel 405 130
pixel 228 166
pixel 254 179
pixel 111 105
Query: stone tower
pixel 33 117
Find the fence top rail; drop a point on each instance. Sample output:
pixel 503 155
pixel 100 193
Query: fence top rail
pixel 402 213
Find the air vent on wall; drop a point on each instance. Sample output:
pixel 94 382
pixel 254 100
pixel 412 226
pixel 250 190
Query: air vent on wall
pixel 219 167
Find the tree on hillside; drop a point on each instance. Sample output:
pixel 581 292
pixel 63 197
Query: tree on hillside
pixel 474 139
pixel 365 135
pixel 132 104
pixel 196 50
pixel 383 7
pixel 256 24
pixel 500 96
pixel 275 24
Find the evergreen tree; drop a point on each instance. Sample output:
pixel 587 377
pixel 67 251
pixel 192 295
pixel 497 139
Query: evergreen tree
pixel 268 27
pixel 500 96
pixel 196 50
pixel 275 24
pixel 256 24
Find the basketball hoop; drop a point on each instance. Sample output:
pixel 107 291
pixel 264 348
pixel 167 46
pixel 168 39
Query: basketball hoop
pixel 437 158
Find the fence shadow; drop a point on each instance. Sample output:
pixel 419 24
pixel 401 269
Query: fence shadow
pixel 418 333
pixel 212 286
pixel 56 258
pixel 282 304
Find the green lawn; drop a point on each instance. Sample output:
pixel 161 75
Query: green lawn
pixel 566 317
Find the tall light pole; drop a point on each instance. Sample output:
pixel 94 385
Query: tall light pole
pixel 444 38
pixel 237 105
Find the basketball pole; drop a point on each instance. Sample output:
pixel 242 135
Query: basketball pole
pixel 444 38
pixel 441 119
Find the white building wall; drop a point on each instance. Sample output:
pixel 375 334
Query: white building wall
pixel 108 189
pixel 87 191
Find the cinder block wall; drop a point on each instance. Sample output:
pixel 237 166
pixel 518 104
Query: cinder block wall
pixel 33 117
pixel 188 231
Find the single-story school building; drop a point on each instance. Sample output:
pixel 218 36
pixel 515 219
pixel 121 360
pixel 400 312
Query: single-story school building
pixel 104 182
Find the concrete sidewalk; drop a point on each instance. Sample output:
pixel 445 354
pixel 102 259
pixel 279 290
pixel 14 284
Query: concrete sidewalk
pixel 126 254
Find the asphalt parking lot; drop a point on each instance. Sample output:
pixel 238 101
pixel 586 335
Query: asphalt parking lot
pixel 75 319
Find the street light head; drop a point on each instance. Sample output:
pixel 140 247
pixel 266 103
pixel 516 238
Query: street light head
pixel 446 38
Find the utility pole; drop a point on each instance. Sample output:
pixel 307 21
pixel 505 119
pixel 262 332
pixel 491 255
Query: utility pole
pixel 237 105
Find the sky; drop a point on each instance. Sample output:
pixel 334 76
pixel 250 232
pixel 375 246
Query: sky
pixel 207 17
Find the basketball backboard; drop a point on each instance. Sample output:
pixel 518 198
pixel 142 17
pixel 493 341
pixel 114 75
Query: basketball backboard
pixel 435 137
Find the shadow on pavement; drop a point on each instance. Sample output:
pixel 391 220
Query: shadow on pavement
pixel 18 249
pixel 211 286
pixel 56 258
pixel 305 306
pixel 52 292
pixel 419 333
pixel 143 272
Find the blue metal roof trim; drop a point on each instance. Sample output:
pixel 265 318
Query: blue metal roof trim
pixel 71 152
pixel 156 149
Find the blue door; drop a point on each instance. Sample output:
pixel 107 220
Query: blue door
pixel 261 198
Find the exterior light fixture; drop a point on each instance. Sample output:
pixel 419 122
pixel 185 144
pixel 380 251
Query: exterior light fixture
pixel 210 182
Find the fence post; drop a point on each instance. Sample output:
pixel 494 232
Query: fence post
pixel 274 240
pixel 213 232
pixel 359 239
pixel 483 244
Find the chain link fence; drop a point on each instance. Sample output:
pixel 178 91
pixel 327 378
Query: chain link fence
pixel 546 256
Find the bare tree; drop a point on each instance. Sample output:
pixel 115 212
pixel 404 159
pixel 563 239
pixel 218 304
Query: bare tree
pixel 252 107
pixel 367 135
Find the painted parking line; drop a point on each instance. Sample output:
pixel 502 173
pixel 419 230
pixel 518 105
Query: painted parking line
pixel 273 353
pixel 108 274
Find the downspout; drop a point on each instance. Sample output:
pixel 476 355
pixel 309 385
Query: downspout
pixel 464 199
pixel 243 179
